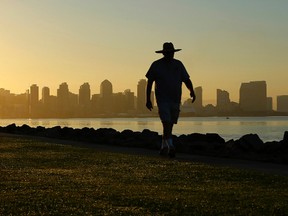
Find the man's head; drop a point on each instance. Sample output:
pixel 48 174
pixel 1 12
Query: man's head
pixel 168 47
pixel 168 50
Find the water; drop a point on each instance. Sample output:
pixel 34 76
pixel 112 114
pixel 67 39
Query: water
pixel 268 128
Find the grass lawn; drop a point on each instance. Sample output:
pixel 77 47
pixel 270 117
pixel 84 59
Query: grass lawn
pixel 42 178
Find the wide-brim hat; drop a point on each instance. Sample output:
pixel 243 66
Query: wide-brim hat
pixel 168 47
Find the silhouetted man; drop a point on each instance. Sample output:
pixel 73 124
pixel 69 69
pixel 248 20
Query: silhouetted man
pixel 168 74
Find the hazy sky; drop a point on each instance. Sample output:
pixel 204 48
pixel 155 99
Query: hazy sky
pixel 223 42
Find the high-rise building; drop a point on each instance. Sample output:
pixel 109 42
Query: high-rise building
pixel 223 101
pixel 119 103
pixel 282 103
pixel 63 93
pixel 106 89
pixel 45 95
pixel 34 94
pixel 106 97
pixel 198 103
pixel 34 99
pixel 269 104
pixel 129 100
pixel 63 99
pixel 84 94
pixel 141 96
pixel 253 96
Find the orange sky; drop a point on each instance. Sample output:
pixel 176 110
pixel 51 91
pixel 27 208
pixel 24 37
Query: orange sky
pixel 223 43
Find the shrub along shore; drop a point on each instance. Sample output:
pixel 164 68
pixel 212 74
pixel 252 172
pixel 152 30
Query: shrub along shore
pixel 249 146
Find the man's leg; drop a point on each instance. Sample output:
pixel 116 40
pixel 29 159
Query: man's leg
pixel 167 137
pixel 168 114
pixel 167 134
pixel 167 130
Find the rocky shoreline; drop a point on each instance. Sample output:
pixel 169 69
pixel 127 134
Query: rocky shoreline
pixel 249 146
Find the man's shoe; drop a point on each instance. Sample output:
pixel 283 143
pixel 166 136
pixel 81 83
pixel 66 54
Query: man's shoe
pixel 163 151
pixel 172 153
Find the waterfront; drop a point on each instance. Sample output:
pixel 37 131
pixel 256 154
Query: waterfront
pixel 268 128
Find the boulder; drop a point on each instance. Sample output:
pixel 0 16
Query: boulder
pixel 285 137
pixel 12 128
pixel 196 137
pixel 25 129
pixel 249 143
pixel 54 132
pixel 214 138
pixel 148 139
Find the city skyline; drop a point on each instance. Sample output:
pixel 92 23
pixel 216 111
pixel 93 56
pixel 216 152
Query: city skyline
pixel 66 104
pixel 44 90
pixel 224 43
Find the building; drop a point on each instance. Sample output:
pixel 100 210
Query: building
pixel 141 96
pixel 198 103
pixel 84 95
pixel 223 101
pixel 253 96
pixel 282 103
pixel 119 103
pixel 34 100
pixel 45 95
pixel 106 97
pixel 106 89
pixel 129 100
pixel 63 105
pixel 269 104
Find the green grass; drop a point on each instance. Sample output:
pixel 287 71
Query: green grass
pixel 41 178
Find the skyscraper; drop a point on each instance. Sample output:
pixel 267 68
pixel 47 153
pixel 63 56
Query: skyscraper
pixel 106 97
pixel 34 94
pixel 198 104
pixel 34 99
pixel 84 95
pixel 129 100
pixel 106 89
pixel 63 99
pixel 45 95
pixel 282 103
pixel 253 96
pixel 269 104
pixel 141 96
pixel 223 100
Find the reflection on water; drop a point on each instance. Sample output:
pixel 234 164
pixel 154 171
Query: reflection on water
pixel 63 123
pixel 109 123
pixel 253 123
pixel 268 128
pixel 143 123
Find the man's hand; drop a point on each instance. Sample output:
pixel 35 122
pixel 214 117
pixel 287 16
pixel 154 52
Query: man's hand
pixel 149 105
pixel 193 96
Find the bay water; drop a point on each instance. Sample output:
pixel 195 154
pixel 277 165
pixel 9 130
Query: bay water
pixel 270 128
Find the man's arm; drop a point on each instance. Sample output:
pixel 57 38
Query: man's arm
pixel 189 85
pixel 148 94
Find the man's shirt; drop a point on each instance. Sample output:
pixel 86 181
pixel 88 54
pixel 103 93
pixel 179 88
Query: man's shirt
pixel 168 77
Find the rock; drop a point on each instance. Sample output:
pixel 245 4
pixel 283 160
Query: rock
pixel 106 136
pixel 149 139
pixel 196 137
pixel 285 137
pixel 105 132
pixel 11 128
pixel 54 132
pixel 249 143
pixel 127 134
pixel 214 138
pixel 25 129
pixel 271 148
pixel 69 133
